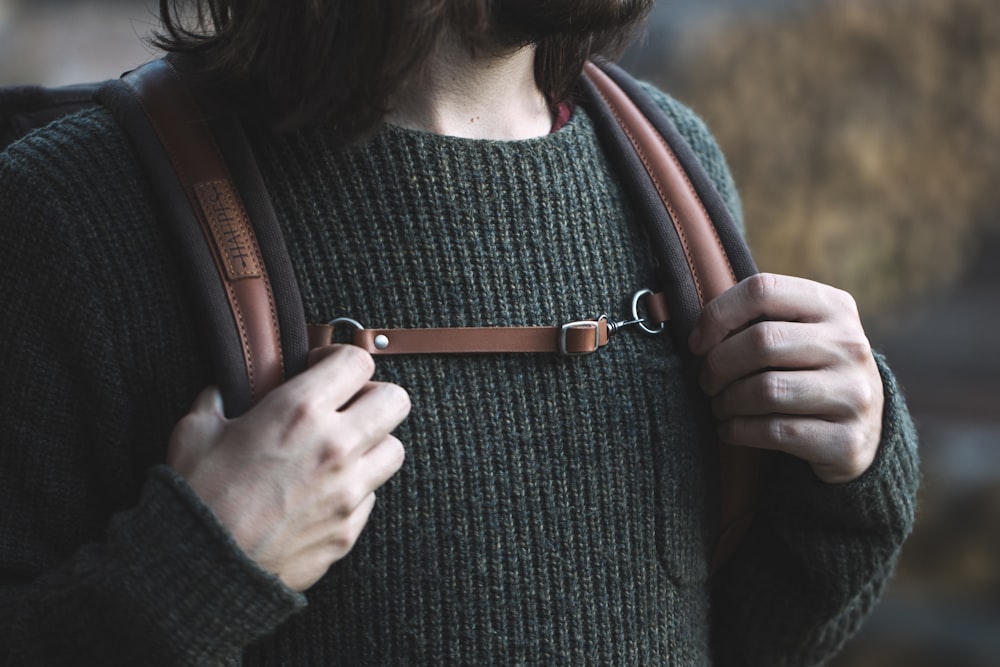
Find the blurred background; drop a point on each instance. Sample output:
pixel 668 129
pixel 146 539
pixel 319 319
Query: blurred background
pixel 864 136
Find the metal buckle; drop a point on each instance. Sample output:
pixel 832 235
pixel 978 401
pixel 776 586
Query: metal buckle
pixel 641 321
pixel 582 324
pixel 342 322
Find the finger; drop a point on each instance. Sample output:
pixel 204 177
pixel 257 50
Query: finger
pixel 834 449
pixel 373 413
pixel 381 462
pixel 346 488
pixel 341 520
pixel 346 536
pixel 765 296
pixel 818 393
pixel 195 433
pixel 376 410
pixel 327 542
pixel 762 346
pixel 317 354
pixel 339 372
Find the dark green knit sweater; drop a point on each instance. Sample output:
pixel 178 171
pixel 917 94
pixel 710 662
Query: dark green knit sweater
pixel 552 511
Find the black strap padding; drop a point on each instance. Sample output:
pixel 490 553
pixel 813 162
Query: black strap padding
pixel 730 235
pixel 232 139
pixel 218 324
pixel 678 283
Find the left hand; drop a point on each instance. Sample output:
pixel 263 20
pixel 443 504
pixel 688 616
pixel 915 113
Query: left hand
pixel 788 367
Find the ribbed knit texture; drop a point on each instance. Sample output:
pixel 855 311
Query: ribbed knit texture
pixel 551 511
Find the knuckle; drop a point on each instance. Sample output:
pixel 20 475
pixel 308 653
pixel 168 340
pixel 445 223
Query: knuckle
pixel 306 410
pixel 774 389
pixel 858 349
pixel 761 287
pixel 342 542
pixel 781 431
pixel 862 398
pixel 344 500
pixel 349 530
pixel 846 301
pixel 852 447
pixel 337 450
pixel 766 338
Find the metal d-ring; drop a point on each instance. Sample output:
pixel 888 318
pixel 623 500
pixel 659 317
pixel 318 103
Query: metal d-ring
pixel 340 322
pixel 346 321
pixel 641 321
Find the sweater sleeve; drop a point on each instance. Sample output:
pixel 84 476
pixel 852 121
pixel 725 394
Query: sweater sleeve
pixel 818 556
pixel 100 563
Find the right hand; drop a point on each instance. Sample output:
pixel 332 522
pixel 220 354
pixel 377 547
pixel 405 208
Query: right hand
pixel 294 478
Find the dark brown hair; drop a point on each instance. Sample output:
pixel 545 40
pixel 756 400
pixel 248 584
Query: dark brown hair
pixel 338 62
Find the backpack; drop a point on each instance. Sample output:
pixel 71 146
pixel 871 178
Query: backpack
pixel 215 205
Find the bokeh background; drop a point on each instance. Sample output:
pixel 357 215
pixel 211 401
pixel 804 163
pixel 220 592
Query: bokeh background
pixel 865 138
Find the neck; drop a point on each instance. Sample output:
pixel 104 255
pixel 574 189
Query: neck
pixel 474 95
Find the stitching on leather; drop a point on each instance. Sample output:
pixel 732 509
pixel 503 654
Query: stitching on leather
pixel 186 180
pixel 659 188
pixel 701 205
pixel 242 325
pixel 256 248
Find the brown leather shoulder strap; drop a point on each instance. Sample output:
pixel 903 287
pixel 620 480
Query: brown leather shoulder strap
pixel 706 258
pixel 183 130
pixel 712 272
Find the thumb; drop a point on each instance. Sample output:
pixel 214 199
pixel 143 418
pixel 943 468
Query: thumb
pixel 209 401
pixel 196 431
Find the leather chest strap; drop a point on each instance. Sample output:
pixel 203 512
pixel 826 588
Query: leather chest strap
pixel 572 339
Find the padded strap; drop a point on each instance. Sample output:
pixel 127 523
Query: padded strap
pixel 703 251
pixel 683 234
pixel 203 208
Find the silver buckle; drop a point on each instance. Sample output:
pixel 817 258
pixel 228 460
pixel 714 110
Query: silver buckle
pixel 340 323
pixel 582 324
pixel 641 321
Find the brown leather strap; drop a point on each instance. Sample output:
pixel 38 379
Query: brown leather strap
pixel 575 338
pixel 712 273
pixel 184 132
pixel 572 339
pixel 703 249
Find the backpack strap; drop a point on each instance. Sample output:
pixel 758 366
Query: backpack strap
pixel 700 251
pixel 256 339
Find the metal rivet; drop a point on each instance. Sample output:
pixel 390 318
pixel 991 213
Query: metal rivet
pixel 381 342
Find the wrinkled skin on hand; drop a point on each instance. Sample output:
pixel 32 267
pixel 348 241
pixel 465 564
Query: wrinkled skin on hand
pixel 788 367
pixel 294 478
